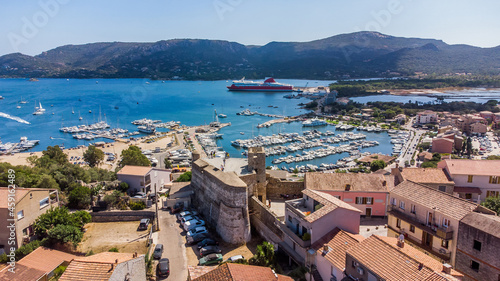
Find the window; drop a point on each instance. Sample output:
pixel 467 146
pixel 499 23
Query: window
pixel 307 198
pixel 469 178
pixel 412 228
pixel 494 179
pixel 359 200
pixel 491 193
pixel 402 205
pixel 20 214
pixel 44 203
pixel 468 196
pixel 474 265
pixel 412 210
pixel 290 218
pixel 398 223
pixel 444 244
pixel 337 196
pixel 477 245
pixel 25 232
pixel 393 201
pixel 369 200
pixel 442 188
pixel 364 200
pixel 353 264
pixel 446 222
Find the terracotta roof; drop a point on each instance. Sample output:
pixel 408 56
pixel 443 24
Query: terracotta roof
pixel 384 258
pixel 338 242
pixel 357 182
pixel 22 273
pixel 472 167
pixel 373 157
pixel 241 272
pixel 486 223
pixel 329 203
pixel 428 197
pixel 96 267
pixel 442 139
pixel 197 271
pixel 134 170
pixel 467 189
pixel 426 175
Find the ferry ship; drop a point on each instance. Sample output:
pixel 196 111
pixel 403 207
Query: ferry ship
pixel 268 85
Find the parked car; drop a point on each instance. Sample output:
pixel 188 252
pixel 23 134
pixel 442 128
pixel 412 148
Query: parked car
pixel 197 238
pixel 139 195
pixel 207 242
pixel 235 258
pixel 209 250
pixel 200 229
pixel 185 219
pixel 163 267
pixel 186 213
pixel 178 207
pixel 143 225
pixel 193 223
pixel 158 251
pixel 211 259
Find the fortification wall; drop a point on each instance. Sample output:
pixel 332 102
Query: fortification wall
pixel 275 187
pixel 265 221
pixel 222 199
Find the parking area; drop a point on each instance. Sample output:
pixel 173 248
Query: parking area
pixel 486 145
pixel 125 236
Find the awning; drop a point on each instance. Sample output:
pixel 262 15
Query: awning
pixel 467 189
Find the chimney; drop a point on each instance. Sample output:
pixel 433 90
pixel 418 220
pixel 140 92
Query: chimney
pixel 347 187
pixel 325 249
pixel 384 183
pixel 420 266
pixel 397 165
pixel 134 255
pixel 446 268
pixel 116 261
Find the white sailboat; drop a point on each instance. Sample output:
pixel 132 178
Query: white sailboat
pixel 39 110
pixel 72 111
pixel 80 117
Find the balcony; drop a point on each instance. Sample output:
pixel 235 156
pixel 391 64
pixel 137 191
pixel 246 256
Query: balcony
pixel 298 207
pixel 445 233
pixel 294 236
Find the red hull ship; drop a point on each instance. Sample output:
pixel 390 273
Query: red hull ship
pixel 269 85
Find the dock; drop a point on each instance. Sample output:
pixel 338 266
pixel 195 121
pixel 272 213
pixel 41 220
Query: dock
pixel 269 123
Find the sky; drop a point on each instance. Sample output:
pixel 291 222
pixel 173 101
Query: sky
pixel 31 27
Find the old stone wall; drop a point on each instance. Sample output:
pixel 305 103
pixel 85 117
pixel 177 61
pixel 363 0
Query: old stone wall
pixel 264 221
pixel 275 187
pixel 221 197
pixel 487 257
pixel 121 216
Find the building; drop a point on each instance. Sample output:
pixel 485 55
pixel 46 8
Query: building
pixel 428 218
pixel 474 179
pixel 330 259
pixel 144 179
pixel 431 177
pixel 425 117
pixel 479 247
pixel 106 266
pixel 30 203
pixel 464 122
pixel 387 258
pixel 425 156
pixel 240 272
pixel 310 218
pixel 330 98
pixel 442 145
pixel 365 192
pixel 370 158
pixel 38 265
pixel 488 115
pixel 478 128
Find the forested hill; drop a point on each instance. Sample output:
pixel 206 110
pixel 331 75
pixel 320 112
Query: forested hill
pixel 354 55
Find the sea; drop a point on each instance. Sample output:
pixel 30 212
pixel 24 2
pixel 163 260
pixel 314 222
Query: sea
pixel 121 101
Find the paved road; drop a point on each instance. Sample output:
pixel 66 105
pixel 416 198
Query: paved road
pixel 410 147
pixel 174 245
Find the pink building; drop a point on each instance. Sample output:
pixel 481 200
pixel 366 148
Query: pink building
pixel 366 192
pixel 442 145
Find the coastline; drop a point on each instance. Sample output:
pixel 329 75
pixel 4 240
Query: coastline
pixel 436 91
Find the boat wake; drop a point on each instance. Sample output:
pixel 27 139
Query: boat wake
pixel 20 120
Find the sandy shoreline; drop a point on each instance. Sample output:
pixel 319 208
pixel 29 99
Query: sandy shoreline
pixel 432 92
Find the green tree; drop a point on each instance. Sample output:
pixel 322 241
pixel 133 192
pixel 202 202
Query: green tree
pixel 46 181
pixel 264 256
pixel 436 157
pixel 65 233
pixel 133 156
pixel 492 203
pixel 94 156
pixel 53 155
pixel 377 165
pixel 123 187
pixel 184 177
pixel 168 164
pixel 429 164
pixel 58 225
pixel 79 198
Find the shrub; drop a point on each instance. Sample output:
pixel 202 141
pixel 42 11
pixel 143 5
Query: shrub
pixel 114 249
pixel 137 205
pixel 123 187
pixel 306 237
pixel 184 177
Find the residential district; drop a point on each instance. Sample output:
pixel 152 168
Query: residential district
pixel 419 216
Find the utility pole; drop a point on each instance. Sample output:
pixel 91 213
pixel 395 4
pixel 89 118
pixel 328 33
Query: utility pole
pixel 156 204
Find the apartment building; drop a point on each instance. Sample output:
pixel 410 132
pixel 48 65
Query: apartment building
pixel 427 116
pixel 432 177
pixel 144 179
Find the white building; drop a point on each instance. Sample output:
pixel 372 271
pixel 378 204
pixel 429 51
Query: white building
pixel 144 179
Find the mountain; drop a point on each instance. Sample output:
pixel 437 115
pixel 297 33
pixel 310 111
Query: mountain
pixel 360 54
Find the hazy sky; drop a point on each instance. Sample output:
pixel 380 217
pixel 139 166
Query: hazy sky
pixel 31 27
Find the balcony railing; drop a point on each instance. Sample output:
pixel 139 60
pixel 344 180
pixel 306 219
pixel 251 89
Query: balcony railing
pixel 297 207
pixel 294 236
pixel 445 233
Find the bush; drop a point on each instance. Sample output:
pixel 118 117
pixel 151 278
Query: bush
pixel 114 249
pixel 137 205
pixel 184 177
pixel 79 198
pixel 123 187
pixel 306 237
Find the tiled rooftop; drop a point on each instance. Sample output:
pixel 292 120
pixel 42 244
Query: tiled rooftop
pixel 357 182
pixel 329 203
pixel 383 257
pixel 241 272
pixel 338 241
pixel 134 170
pixel 442 202
pixel 486 223
pixel 472 167
pixel 426 175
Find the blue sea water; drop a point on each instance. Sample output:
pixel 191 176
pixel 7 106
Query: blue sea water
pixel 190 102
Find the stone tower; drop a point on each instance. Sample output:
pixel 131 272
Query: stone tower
pixel 257 163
